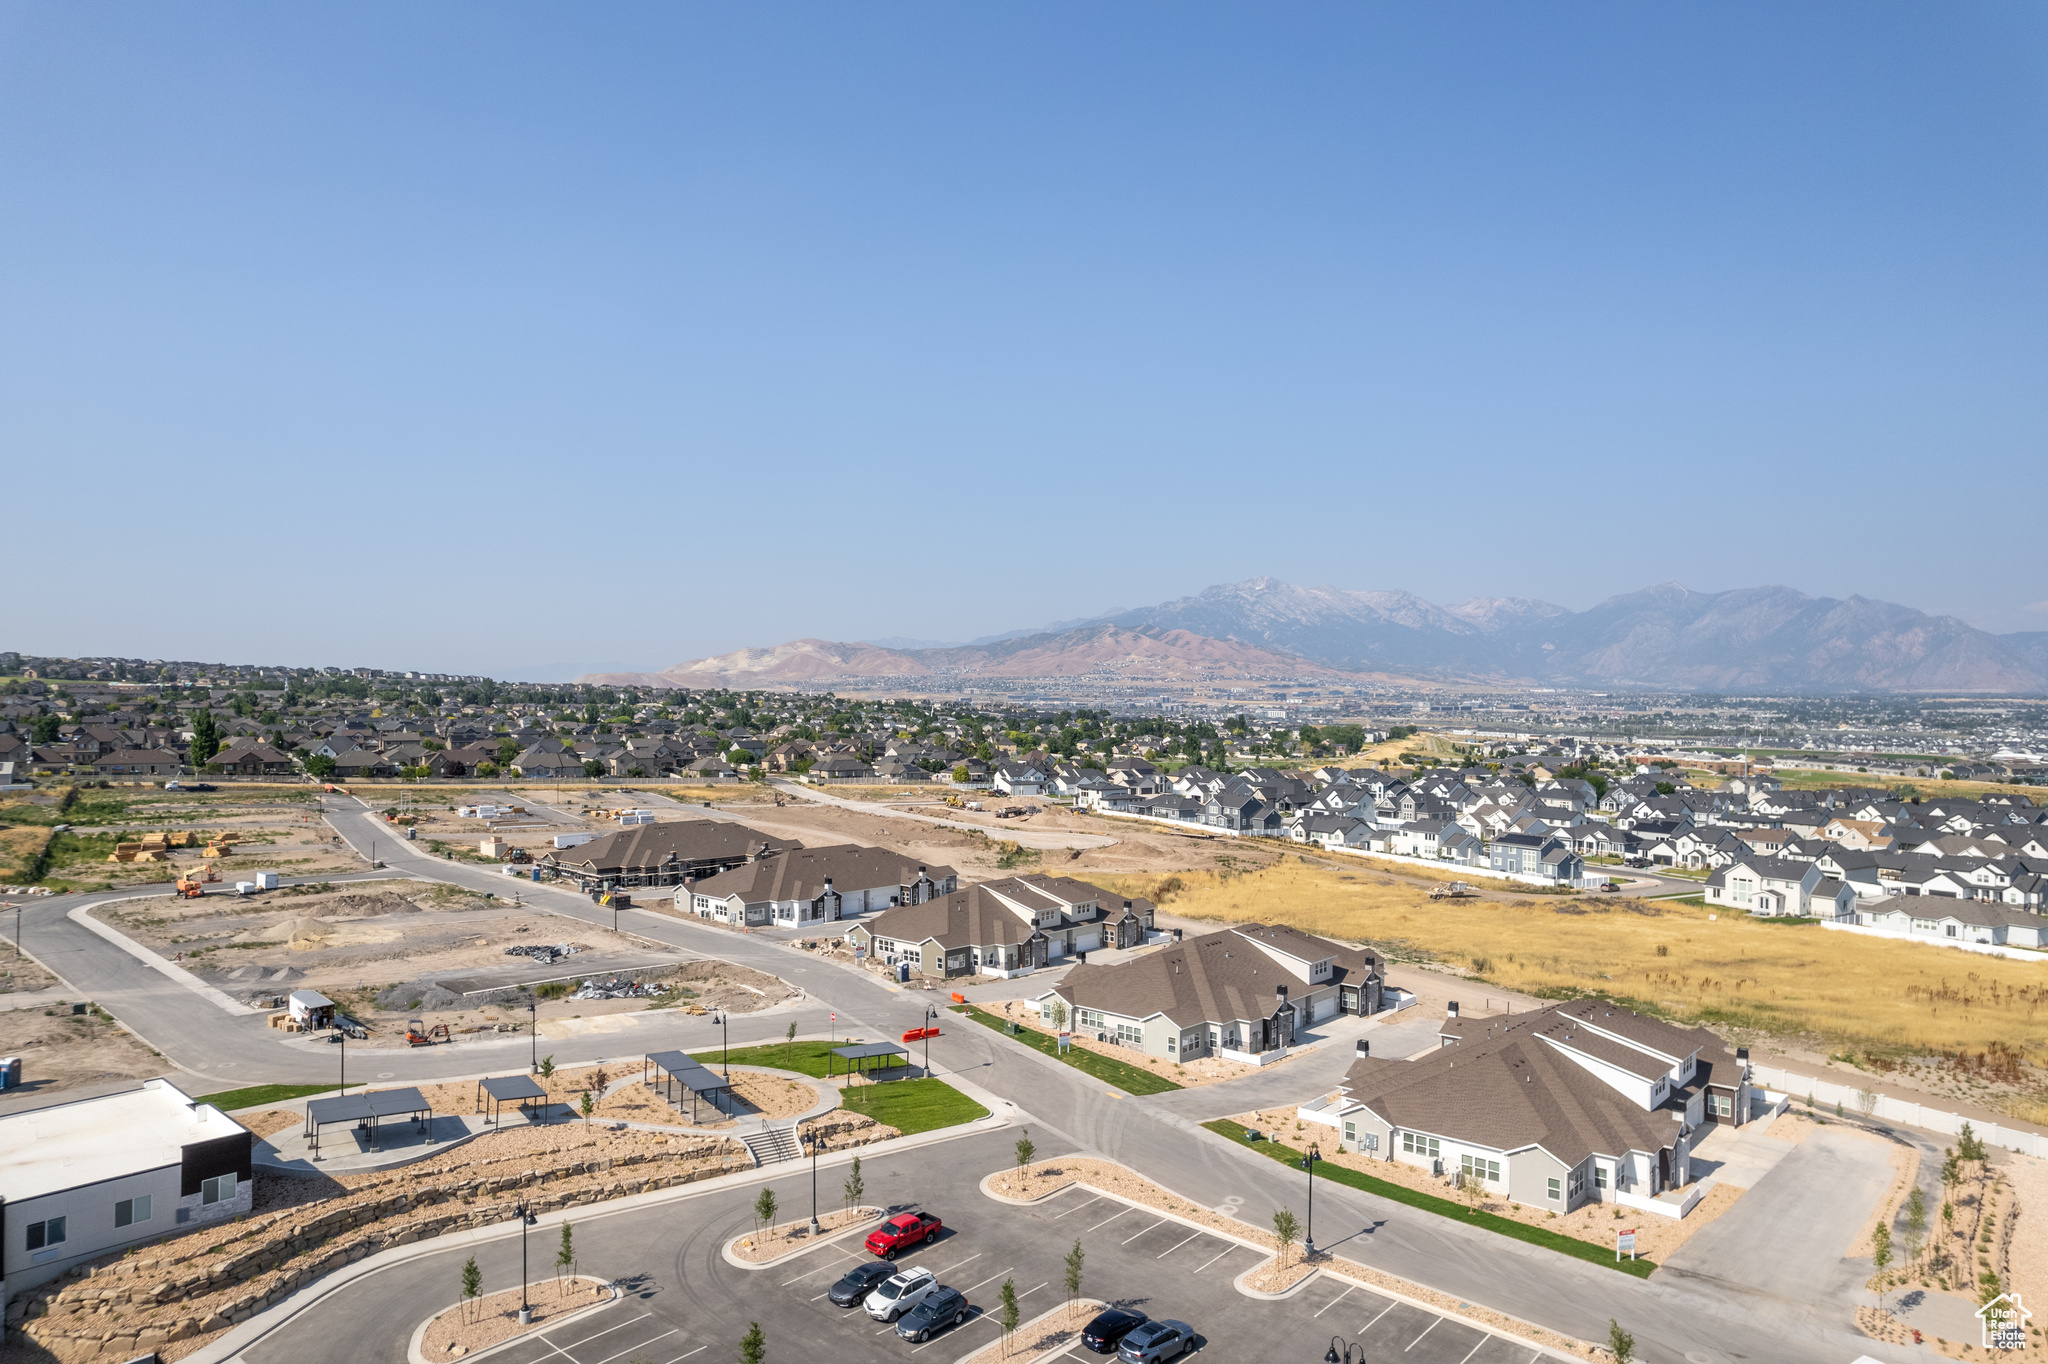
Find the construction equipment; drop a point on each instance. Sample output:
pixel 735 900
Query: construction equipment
pixel 206 873
pixel 418 1034
pixel 1455 890
pixel 189 889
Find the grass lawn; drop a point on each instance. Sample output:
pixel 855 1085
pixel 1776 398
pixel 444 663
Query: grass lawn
pixel 1443 1207
pixel 1130 1079
pixel 914 1105
pixel 228 1100
pixel 805 1058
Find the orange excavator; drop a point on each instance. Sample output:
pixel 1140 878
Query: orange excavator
pixel 418 1034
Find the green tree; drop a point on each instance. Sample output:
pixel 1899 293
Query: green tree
pixel 547 1070
pixel 1988 1287
pixel 592 768
pixel 1286 1226
pixel 319 767
pixel 587 1107
pixel 855 1189
pixel 565 1254
pixel 472 1285
pixel 1881 1258
pixel 205 738
pixel 1916 1224
pixel 764 1208
pixel 1009 1318
pixel 487 769
pixel 1968 1147
pixel 508 749
pixel 44 730
pixel 1025 1151
pixel 1620 1343
pixel 753 1345
pixel 1072 1282
pixel 789 1047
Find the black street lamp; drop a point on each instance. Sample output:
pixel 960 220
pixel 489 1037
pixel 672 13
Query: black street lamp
pixel 532 1031
pixel 725 1045
pixel 1308 1163
pixel 1330 1356
pixel 812 1143
pixel 526 1219
pixel 931 1016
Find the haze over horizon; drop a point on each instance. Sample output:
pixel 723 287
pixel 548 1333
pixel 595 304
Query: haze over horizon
pixel 530 342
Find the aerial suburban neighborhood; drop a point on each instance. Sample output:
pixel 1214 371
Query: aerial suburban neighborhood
pixel 978 684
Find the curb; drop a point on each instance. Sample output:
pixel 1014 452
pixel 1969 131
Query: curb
pixel 727 1250
pixel 225 1349
pixel 1240 1284
pixel 1087 1305
pixel 415 1355
pixel 82 916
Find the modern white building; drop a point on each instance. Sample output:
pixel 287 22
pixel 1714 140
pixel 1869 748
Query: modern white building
pixel 83 1178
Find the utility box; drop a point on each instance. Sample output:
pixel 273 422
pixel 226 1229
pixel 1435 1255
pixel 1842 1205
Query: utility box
pixel 266 880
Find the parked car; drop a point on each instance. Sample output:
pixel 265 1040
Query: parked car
pixel 899 1293
pixel 859 1282
pixel 901 1232
pixel 1108 1330
pixel 942 1307
pixel 1151 1341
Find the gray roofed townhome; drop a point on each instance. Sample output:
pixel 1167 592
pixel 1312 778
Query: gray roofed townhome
pixel 1569 1104
pixel 1241 993
pixel 661 854
pixel 1002 928
pixel 814 885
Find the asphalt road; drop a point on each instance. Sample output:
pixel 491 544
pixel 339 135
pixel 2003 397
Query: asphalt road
pixel 1701 1319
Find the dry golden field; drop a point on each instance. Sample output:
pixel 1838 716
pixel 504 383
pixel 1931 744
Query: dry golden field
pixel 1792 981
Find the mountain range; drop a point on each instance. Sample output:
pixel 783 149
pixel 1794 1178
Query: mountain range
pixel 1665 637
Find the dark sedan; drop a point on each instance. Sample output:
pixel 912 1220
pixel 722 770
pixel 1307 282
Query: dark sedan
pixel 1108 1330
pixel 859 1282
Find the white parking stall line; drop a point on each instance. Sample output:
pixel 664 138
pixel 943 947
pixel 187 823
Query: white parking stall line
pixel 1175 1246
pixel 1106 1221
pixel 1375 1321
pixel 1154 1227
pixel 1474 1350
pixel 1434 1323
pixel 1077 1207
pixel 605 1332
pixel 698 1351
pixel 1339 1298
pixel 649 1341
pixel 936 1273
pixel 990 1279
pixel 1214 1258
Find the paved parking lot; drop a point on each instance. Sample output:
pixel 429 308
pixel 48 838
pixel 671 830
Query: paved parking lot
pixel 685 1302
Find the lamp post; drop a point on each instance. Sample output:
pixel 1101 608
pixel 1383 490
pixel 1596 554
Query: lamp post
pixel 812 1143
pixel 341 1036
pixel 526 1219
pixel 1308 1163
pixel 1330 1356
pixel 724 1045
pixel 931 1016
pixel 532 1031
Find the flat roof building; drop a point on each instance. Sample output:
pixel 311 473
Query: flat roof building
pixel 83 1178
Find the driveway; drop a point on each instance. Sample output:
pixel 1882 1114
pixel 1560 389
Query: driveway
pixel 1786 1236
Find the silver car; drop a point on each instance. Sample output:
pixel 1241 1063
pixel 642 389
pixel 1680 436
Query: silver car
pixel 899 1293
pixel 1152 1341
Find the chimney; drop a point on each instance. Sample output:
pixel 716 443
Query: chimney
pixel 1453 1009
pixel 1279 995
pixel 1742 1053
pixel 1364 1047
pixel 920 871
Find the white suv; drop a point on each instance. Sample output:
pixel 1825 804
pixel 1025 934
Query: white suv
pixel 899 1293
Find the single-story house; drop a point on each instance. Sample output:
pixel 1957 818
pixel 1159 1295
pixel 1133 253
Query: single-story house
pixel 138 762
pixel 662 854
pixel 1003 928
pixel 813 885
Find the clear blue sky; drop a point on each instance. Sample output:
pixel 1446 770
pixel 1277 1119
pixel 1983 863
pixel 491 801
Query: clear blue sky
pixel 536 338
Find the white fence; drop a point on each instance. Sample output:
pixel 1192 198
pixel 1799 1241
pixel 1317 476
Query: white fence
pixel 1928 939
pixel 1827 1094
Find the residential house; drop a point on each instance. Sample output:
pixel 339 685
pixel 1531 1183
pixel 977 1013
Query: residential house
pixel 1002 928
pixel 1243 993
pixel 663 854
pixel 1019 779
pixel 1767 886
pixel 806 886
pixel 1539 855
pixel 135 762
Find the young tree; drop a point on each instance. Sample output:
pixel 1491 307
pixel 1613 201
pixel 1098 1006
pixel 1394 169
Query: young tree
pixel 753 1345
pixel 1025 1151
pixel 1059 1014
pixel 764 1208
pixel 789 1048
pixel 547 1070
pixel 1916 1224
pixel 1074 1261
pixel 1620 1342
pixel 855 1189
pixel 1286 1226
pixel 586 1107
pixel 565 1254
pixel 1881 1258
pixel 1009 1317
pixel 472 1285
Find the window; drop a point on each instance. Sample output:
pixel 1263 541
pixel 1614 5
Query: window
pixel 1350 1131
pixel 1415 1145
pixel 1479 1167
pixel 1721 1105
pixel 1130 1034
pixel 129 1211
pixel 1600 1176
pixel 219 1189
pixel 48 1233
pixel 1170 1044
pixel 1555 1188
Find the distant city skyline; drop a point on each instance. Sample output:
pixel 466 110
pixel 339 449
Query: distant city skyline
pixel 527 342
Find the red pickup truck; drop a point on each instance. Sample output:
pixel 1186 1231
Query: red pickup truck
pixel 902 1232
